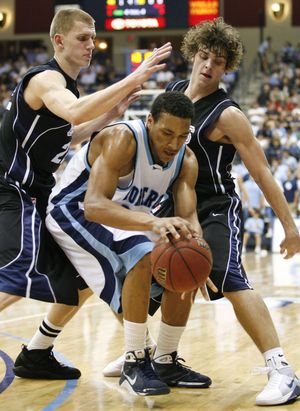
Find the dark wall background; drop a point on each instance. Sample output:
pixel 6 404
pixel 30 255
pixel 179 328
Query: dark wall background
pixel 244 13
pixel 34 16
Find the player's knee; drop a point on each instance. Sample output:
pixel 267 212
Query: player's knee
pixel 7 299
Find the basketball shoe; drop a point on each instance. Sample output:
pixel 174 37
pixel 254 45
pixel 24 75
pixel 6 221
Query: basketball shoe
pixel 114 368
pixel 283 387
pixel 41 364
pixel 175 374
pixel 138 376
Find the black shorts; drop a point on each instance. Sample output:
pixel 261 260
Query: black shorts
pixel 220 217
pixel 31 263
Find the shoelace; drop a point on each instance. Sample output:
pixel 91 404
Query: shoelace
pixel 54 360
pixel 149 372
pixel 261 370
pixel 177 359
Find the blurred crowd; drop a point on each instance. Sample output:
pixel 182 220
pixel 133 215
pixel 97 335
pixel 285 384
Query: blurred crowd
pixel 275 119
pixel 274 116
pixel 100 74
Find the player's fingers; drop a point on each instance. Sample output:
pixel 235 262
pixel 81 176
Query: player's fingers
pixel 171 229
pixel 211 285
pixel 204 292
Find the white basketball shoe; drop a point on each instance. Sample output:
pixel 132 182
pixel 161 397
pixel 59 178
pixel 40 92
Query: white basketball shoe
pixel 114 368
pixel 283 387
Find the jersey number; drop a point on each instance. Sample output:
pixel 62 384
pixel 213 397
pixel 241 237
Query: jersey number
pixel 60 156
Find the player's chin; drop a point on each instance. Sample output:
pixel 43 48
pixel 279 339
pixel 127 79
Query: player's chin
pixel 86 61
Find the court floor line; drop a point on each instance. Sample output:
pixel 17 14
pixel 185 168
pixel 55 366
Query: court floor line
pixel 66 391
pixel 28 317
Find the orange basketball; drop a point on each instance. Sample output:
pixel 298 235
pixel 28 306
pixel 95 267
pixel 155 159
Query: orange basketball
pixel 181 265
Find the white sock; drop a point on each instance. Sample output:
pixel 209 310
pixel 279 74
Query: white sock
pixel 45 336
pixel 135 335
pixel 275 358
pixel 168 339
pixel 149 339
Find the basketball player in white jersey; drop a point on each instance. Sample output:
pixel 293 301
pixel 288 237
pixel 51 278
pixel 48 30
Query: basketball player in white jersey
pixel 100 215
pixel 44 116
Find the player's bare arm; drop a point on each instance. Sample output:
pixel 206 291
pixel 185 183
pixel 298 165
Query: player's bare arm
pixel 234 125
pixel 84 131
pixel 112 156
pixel 185 199
pixel 49 88
pixel 185 202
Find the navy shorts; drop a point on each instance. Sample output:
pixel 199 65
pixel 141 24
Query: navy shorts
pixel 31 263
pixel 220 217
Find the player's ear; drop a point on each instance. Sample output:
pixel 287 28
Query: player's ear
pixel 149 120
pixel 58 40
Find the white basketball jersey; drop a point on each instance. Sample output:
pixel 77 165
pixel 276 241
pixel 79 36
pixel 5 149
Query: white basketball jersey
pixel 141 190
pixel 146 185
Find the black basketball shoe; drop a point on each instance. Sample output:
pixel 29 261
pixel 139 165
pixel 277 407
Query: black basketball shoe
pixel 138 376
pixel 41 364
pixel 175 374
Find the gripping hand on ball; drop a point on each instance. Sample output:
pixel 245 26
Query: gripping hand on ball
pixel 176 226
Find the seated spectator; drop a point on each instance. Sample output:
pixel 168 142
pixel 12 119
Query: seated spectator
pixel 264 95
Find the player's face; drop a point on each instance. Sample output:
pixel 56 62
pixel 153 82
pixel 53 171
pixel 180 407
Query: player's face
pixel 208 68
pixel 78 44
pixel 167 135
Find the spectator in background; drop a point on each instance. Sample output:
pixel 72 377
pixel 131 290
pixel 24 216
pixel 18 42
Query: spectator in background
pixel 254 199
pixel 264 95
pixel 254 227
pixel 263 50
pixel 291 192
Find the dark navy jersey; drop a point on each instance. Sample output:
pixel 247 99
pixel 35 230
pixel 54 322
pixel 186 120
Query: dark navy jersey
pixel 214 159
pixel 33 143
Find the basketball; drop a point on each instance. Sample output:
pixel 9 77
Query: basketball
pixel 181 265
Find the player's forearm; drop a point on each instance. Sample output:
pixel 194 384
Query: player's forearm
pixel 94 105
pixel 85 130
pixel 114 215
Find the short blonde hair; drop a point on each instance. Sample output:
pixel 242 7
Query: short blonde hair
pixel 64 19
pixel 216 36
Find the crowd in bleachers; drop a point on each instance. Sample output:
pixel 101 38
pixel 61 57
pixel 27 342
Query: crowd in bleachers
pixel 100 74
pixel 274 116
pixel 275 119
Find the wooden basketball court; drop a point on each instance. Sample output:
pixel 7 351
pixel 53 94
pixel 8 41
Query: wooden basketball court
pixel 214 343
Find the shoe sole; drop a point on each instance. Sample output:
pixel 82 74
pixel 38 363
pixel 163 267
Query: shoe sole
pixel 187 385
pixel 287 399
pixel 25 373
pixel 163 391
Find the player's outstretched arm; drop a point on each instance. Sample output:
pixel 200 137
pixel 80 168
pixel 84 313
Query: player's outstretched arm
pixel 49 89
pixel 234 124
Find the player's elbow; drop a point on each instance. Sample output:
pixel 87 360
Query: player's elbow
pixel 76 117
pixel 93 211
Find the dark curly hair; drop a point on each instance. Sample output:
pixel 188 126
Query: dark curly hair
pixel 216 36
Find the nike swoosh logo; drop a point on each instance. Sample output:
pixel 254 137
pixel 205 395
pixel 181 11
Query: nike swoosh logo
pixel 290 384
pixel 131 380
pixel 215 215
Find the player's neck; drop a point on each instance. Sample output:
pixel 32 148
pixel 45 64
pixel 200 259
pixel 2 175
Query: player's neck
pixel 197 91
pixel 70 70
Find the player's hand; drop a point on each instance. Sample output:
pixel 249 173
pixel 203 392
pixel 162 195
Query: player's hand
pixel 175 226
pixel 152 63
pixel 290 245
pixel 123 105
pixel 203 290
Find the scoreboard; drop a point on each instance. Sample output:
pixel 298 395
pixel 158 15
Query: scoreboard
pixel 118 15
